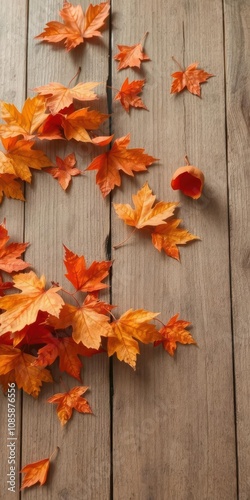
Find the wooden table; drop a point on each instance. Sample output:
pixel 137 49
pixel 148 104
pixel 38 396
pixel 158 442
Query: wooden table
pixel 176 429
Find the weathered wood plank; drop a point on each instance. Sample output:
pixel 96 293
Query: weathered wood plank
pixel 13 31
pixel 78 218
pixel 237 37
pixel 174 419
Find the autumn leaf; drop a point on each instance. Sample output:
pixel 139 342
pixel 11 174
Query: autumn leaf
pixel 10 187
pixel 167 236
pixel 131 56
pixel 77 25
pixel 36 472
pixel 131 325
pixel 25 123
pixel 57 96
pixel 119 158
pixel 68 351
pixel 26 376
pixel 65 170
pixel 82 278
pixel 128 94
pixel 51 129
pixel 144 213
pixel 174 331
pixel 76 124
pixel 22 309
pixel 4 285
pixel 89 322
pixel 35 333
pixel 67 401
pixel 10 254
pixel 23 157
pixel 191 77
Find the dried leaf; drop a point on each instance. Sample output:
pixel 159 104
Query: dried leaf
pixel 10 254
pixel 67 401
pixel 25 123
pixel 10 187
pixel 22 309
pixel 167 236
pixel 191 78
pixel 65 170
pixel 174 331
pixel 130 56
pixel 128 94
pixel 82 278
pixel 131 325
pixel 76 124
pixel 77 26
pixel 35 472
pixel 119 158
pixel 57 96
pixel 144 214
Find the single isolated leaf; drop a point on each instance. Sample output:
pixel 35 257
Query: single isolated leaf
pixel 89 322
pixel 144 213
pixel 82 278
pixel 76 124
pixel 25 123
pixel 77 25
pixel 131 325
pixel 128 94
pixel 10 187
pixel 189 180
pixel 10 254
pixel 119 158
pixel 174 331
pixel 23 157
pixel 191 77
pixel 65 170
pixel 69 401
pixel 57 96
pixel 131 56
pixel 35 472
pixel 22 309
pixel 167 236
pixel 26 376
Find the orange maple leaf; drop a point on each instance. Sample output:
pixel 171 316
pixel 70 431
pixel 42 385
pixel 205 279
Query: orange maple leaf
pixel 57 96
pixel 20 365
pixel 174 331
pixel 131 325
pixel 25 123
pixel 68 351
pixel 67 401
pixel 119 158
pixel 22 309
pixel 76 124
pixel 77 26
pixel 167 236
pixel 82 278
pixel 89 322
pixel 131 56
pixel 191 77
pixel 10 187
pixel 36 472
pixel 65 170
pixel 128 94
pixel 22 157
pixel 144 213
pixel 10 260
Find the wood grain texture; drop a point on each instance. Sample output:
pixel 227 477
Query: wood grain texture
pixel 78 218
pixel 13 35
pixel 173 420
pixel 237 37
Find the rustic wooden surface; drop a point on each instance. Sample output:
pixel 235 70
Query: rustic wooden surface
pixel 176 429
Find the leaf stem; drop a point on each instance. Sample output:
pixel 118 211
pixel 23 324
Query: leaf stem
pixel 75 76
pixel 186 160
pixel 159 321
pixel 112 88
pixel 124 241
pixel 71 295
pixel 178 64
pixel 144 36
pixel 56 450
